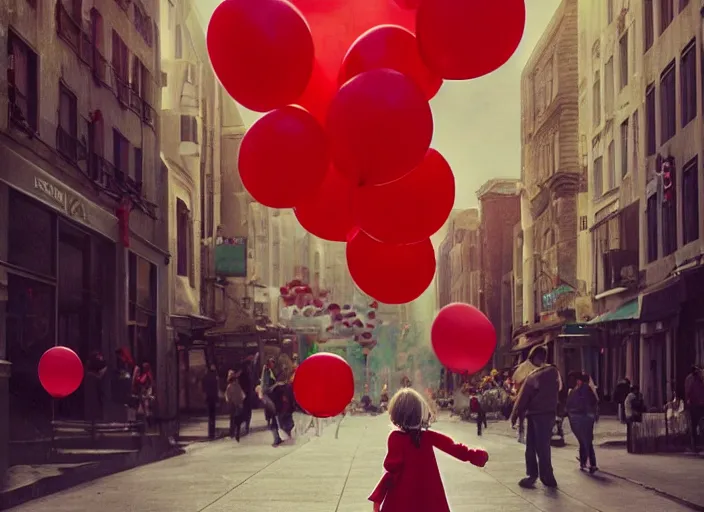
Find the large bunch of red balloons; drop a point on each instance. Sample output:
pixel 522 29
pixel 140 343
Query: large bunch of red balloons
pixel 345 141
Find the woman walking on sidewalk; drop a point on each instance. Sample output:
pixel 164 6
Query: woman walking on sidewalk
pixel 234 396
pixel 581 410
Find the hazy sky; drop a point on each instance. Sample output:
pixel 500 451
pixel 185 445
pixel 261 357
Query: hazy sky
pixel 477 122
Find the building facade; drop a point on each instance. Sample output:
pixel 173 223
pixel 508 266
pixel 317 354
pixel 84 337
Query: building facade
pixel 671 191
pixel 465 258
pixel 553 178
pixel 500 205
pixel 611 96
pixel 83 226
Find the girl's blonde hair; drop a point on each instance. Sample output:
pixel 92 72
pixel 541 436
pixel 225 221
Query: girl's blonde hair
pixel 409 411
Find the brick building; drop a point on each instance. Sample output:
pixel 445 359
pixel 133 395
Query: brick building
pixel 500 205
pixel 552 177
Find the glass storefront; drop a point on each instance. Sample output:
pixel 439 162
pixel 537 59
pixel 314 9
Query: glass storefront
pixel 61 291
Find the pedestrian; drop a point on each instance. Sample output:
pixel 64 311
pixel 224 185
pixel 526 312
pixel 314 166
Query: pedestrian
pixel 411 481
pixel 234 396
pixel 537 403
pixel 211 389
pixel 633 409
pixel 623 388
pixel 581 408
pixel 694 402
pixel 282 397
pixel 475 406
pixel 268 381
pixel 144 384
pixel 250 400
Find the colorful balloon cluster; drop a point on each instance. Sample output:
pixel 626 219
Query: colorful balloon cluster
pixel 345 140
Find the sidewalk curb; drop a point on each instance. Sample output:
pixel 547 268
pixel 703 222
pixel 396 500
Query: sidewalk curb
pixel 670 496
pixel 80 475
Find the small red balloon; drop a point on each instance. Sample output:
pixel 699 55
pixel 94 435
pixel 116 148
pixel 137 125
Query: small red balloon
pixel 324 385
pixel 463 338
pixel 283 157
pixel 391 47
pixel 379 126
pixel 391 274
pixel 261 51
pixel 460 40
pixel 60 371
pixel 328 213
pixel 410 209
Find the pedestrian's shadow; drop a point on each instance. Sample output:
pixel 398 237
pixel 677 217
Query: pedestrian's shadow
pixel 601 478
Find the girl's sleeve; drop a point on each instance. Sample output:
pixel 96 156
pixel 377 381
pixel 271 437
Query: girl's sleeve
pixel 457 450
pixel 393 462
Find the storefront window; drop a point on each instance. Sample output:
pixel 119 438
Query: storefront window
pixel 142 310
pixel 29 332
pixel 31 236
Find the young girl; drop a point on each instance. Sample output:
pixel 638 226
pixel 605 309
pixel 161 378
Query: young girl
pixel 411 480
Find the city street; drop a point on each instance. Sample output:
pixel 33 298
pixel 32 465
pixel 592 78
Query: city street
pixel 336 475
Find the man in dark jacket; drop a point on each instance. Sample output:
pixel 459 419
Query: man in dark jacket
pixel 537 403
pixel 211 389
pixel 620 393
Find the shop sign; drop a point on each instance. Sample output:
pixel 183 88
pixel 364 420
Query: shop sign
pixel 231 257
pixel 70 204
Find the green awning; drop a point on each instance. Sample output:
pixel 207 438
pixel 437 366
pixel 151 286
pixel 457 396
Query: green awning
pixel 627 311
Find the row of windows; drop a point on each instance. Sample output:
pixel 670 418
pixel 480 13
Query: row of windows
pixel 669 214
pixel 610 81
pixel 667 15
pixel 617 167
pixel 668 99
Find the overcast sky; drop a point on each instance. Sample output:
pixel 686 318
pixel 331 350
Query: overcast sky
pixel 477 122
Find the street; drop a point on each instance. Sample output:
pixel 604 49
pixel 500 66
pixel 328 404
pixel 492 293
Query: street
pixel 336 475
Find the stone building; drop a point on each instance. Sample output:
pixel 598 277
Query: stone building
pixel 443 278
pixel 552 177
pixel 465 258
pixel 83 225
pixel 671 191
pixel 611 94
pixel 499 200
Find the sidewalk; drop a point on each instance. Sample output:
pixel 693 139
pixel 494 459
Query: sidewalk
pixel 336 475
pixel 685 472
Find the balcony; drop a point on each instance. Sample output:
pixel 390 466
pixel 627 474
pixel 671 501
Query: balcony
pixel 71 31
pixel 69 146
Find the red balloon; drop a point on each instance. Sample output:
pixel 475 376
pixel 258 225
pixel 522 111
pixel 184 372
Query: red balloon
pixel 379 126
pixel 324 385
pixel 261 51
pixel 60 371
pixel 283 157
pixel 392 274
pixel 464 39
pixel 391 47
pixel 335 24
pixel 328 213
pixel 463 338
pixel 411 209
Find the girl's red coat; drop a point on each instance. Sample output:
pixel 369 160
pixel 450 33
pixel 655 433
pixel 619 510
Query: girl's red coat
pixel 411 480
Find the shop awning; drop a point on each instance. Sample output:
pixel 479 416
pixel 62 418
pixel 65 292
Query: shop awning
pixel 627 311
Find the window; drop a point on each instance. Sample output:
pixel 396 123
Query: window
pixel 650 144
pixel 120 153
pixel 142 311
pixel 668 121
pixel 609 87
pixel 652 226
pixel 666 14
pixel 635 155
pixel 67 131
pixel 612 165
pixel 191 73
pixel 143 24
pixel 690 201
pixel 97 41
pixel 669 225
pixel 189 129
pixel 598 177
pixel 23 86
pixel 183 230
pixel 610 12
pixel 120 66
pixel 688 83
pixel 583 225
pixel 138 156
pixel 178 45
pixel 648 22
pixel 624 148
pixel 596 93
pixel 623 60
